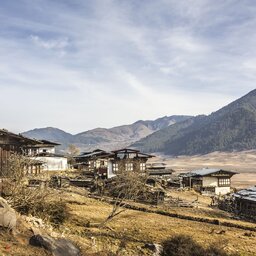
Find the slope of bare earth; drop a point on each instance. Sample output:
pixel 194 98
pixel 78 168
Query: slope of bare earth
pixel 243 162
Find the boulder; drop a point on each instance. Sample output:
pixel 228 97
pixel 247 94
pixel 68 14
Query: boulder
pixel 7 215
pixel 58 247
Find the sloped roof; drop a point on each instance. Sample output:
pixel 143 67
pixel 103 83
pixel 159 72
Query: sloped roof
pixel 47 154
pixel 50 142
pixel 126 150
pixel 156 165
pixel 248 194
pixel 130 150
pixel 21 138
pixel 206 171
pixel 95 153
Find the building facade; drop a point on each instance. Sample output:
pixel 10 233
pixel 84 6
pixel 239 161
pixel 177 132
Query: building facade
pixel 109 164
pixel 10 144
pixel 245 202
pixel 40 152
pixel 209 181
pixel 44 151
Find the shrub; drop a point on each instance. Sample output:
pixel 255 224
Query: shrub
pixel 184 245
pixel 53 211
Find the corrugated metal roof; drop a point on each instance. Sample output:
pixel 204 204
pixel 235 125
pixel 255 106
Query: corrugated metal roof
pixel 205 172
pixel 248 194
pixel 94 154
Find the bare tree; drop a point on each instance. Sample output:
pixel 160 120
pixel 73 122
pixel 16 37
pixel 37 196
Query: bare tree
pixel 72 152
pixel 14 182
pixel 41 202
pixel 126 186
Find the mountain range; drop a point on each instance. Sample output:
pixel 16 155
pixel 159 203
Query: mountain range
pixel 108 139
pixel 232 128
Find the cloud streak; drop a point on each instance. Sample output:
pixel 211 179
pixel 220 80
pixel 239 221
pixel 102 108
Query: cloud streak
pixel 105 63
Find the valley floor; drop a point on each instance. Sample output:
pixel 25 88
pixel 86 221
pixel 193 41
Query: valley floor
pixel 243 162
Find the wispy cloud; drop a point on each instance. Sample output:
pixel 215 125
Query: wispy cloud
pixel 50 44
pixel 131 59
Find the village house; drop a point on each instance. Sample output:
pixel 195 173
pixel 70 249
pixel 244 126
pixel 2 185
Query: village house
pixel 92 161
pixel 44 151
pixel 159 170
pixel 245 202
pixel 11 143
pixel 41 152
pixel 208 181
pixel 108 164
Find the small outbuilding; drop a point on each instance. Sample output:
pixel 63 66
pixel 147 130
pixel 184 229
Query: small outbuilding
pixel 245 202
pixel 208 181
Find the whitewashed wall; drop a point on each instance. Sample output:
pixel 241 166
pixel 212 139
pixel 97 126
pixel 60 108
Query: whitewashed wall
pixel 210 182
pixel 53 163
pixel 110 170
pixel 47 150
pixel 222 190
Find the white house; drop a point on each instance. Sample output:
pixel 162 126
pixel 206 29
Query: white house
pixel 44 152
pixel 209 181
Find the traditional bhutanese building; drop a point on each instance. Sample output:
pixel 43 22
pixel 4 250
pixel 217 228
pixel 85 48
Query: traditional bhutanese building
pixel 109 164
pixel 209 181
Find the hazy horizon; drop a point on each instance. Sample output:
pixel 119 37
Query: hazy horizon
pixel 79 65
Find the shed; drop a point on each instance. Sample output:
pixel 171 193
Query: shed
pixel 245 202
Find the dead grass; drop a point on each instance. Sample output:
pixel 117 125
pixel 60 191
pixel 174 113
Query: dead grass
pixel 135 228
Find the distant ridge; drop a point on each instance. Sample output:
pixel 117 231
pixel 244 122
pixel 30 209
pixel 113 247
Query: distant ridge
pixel 109 139
pixel 232 128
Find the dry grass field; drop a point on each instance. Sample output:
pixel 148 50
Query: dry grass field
pixel 128 232
pixel 132 229
pixel 243 162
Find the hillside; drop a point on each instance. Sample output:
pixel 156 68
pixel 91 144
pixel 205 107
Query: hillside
pixel 230 128
pixel 52 134
pixel 108 139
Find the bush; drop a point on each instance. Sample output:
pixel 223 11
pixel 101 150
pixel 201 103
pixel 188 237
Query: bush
pixel 34 201
pixel 53 211
pixel 184 245
pixel 38 203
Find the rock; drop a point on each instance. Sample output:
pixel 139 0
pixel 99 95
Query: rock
pixel 36 222
pixel 58 247
pixel 156 248
pixel 7 215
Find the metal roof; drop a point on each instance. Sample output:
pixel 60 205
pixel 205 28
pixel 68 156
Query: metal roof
pixel 50 142
pixel 94 154
pixel 206 171
pixel 48 154
pixel 248 194
pixel 126 150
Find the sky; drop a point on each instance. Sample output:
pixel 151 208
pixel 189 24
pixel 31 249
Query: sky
pixel 82 64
